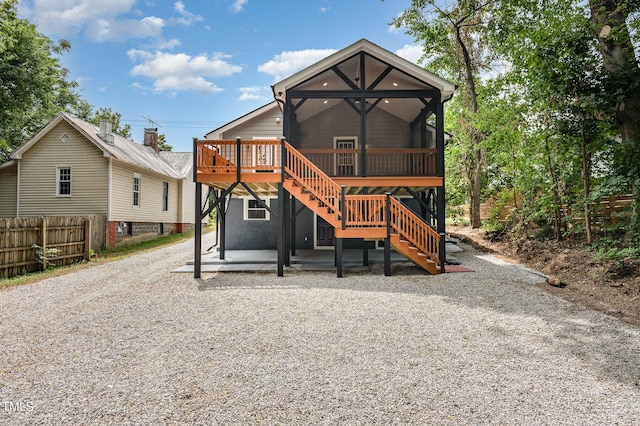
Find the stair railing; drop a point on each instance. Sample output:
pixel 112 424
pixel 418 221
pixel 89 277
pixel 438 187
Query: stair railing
pixel 413 229
pixel 314 180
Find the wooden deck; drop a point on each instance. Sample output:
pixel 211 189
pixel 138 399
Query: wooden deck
pixel 260 167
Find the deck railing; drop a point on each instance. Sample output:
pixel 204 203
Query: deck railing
pixel 223 156
pixel 415 230
pixel 380 161
pixel 364 211
pixel 264 155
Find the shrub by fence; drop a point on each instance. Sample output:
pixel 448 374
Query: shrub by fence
pixel 71 237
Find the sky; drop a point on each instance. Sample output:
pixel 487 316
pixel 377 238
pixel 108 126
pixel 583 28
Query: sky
pixel 191 66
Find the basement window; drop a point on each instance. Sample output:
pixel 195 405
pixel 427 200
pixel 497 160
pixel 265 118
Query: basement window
pixel 254 210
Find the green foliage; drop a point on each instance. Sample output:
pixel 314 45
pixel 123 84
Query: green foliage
pixel 45 255
pixel 84 111
pixel 614 250
pixel 162 143
pixel 34 87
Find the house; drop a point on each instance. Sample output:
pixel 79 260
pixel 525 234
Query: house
pixel 350 154
pixel 73 168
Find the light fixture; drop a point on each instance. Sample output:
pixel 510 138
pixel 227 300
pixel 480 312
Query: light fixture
pixel 395 84
pixel 324 84
pixel 386 101
pixel 325 102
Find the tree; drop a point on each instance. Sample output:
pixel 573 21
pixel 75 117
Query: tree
pixel 113 117
pixel 162 143
pixel 622 78
pixel 453 40
pixel 34 87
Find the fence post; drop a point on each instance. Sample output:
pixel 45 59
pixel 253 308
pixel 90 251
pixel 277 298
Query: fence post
pixel 87 238
pixel 44 243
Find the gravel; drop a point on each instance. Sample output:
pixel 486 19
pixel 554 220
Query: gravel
pixel 128 342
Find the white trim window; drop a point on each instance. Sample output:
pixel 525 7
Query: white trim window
pixel 253 210
pixel 136 190
pixel 63 182
pixel 165 196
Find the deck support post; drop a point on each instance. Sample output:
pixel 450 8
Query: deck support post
pixel 292 223
pixel 440 170
pixel 286 210
pixel 222 213
pixel 197 260
pixel 281 229
pixel 387 240
pixel 365 253
pixel 339 257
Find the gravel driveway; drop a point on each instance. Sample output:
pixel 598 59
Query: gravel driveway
pixel 130 343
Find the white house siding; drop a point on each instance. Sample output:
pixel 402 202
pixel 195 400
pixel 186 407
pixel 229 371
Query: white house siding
pixel 150 209
pixel 189 197
pixel 264 125
pixel 8 191
pixel 38 176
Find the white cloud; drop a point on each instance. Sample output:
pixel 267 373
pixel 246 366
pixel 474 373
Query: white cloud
pixel 103 20
pixel 121 30
pixel 411 53
pixel 252 93
pixel 238 5
pixel 186 18
pixel 287 63
pixel 180 72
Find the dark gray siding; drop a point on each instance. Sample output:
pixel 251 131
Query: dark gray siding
pixel 260 234
pixel 383 129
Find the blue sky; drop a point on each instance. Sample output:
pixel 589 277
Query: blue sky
pixel 194 65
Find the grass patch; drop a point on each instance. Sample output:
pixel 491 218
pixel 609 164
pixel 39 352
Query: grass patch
pixel 110 255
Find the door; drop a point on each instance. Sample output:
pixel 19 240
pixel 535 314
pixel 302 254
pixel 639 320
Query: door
pixel 346 162
pixel 324 233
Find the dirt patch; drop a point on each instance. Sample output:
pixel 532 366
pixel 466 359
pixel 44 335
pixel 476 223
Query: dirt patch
pixel 599 284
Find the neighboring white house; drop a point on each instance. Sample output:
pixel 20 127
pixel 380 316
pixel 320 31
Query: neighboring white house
pixel 73 168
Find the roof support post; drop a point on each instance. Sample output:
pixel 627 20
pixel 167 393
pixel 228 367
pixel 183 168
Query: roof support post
pixel 238 158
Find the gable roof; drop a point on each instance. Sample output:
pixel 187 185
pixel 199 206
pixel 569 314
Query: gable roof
pixel 122 149
pixel 245 118
pixel 446 88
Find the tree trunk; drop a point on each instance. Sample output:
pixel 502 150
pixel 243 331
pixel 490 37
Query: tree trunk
pixel 609 18
pixel 475 182
pixel 555 185
pixel 586 183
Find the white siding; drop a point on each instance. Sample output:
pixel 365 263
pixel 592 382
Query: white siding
pixel 265 125
pixel 150 209
pixel 38 173
pixel 8 191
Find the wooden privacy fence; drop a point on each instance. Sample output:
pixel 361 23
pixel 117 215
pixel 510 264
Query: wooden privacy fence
pixel 70 237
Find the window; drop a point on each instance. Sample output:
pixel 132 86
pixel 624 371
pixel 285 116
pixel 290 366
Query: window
pixel 136 190
pixel 63 186
pixel 165 196
pixel 253 210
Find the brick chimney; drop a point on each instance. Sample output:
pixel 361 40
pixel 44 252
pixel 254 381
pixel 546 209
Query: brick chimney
pixel 151 138
pixel 105 132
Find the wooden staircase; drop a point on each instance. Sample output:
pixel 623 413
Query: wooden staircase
pixel 362 216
